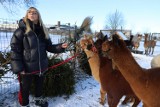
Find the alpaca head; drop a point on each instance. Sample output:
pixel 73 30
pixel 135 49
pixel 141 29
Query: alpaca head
pixel 86 43
pixel 114 47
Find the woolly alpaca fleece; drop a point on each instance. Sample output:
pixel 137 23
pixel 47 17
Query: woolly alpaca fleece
pixel 155 62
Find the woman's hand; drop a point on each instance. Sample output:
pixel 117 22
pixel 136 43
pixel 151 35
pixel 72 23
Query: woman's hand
pixel 64 45
pixel 22 73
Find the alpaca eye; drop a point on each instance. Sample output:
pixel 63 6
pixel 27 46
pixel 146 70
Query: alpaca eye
pixel 89 46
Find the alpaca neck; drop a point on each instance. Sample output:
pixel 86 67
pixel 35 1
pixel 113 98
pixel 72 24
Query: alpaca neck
pixel 138 78
pixel 145 40
pixel 129 68
pixel 94 64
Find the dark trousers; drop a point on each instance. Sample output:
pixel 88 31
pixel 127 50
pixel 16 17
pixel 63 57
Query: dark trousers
pixel 25 85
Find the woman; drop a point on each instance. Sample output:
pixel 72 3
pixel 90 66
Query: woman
pixel 28 55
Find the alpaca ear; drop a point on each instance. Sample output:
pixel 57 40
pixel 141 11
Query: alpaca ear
pixel 116 40
pixel 99 35
pixel 105 37
pixel 85 36
pixel 90 37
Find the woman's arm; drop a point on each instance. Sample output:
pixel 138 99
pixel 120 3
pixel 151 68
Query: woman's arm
pixel 56 48
pixel 17 51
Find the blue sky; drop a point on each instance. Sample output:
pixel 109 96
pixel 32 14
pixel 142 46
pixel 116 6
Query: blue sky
pixel 139 15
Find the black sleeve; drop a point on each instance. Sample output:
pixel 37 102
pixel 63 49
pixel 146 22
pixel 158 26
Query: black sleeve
pixel 54 48
pixel 17 51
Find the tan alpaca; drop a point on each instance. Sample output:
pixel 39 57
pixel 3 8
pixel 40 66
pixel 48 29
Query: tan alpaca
pixel 149 44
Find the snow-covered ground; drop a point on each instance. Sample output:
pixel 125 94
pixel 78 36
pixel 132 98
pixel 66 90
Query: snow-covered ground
pixel 87 90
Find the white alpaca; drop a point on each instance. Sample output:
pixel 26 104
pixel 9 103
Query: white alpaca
pixel 155 62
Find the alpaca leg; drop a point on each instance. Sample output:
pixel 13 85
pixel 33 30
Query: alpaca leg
pixel 114 65
pixel 152 50
pixel 113 102
pixel 103 94
pixel 127 99
pixel 136 50
pixel 146 51
pixel 131 99
pixel 144 105
pixel 136 102
pixel 149 50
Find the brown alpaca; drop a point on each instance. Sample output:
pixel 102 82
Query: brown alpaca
pixel 149 44
pixel 146 43
pixel 153 44
pixel 144 82
pixel 111 81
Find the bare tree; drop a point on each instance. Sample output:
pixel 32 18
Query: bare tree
pixel 115 21
pixel 12 6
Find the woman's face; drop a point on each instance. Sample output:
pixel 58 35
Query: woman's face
pixel 33 15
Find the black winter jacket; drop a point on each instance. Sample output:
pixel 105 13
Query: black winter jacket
pixel 28 51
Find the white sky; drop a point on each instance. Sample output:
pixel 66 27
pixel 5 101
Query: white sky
pixel 139 15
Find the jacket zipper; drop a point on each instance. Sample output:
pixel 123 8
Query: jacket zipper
pixel 39 55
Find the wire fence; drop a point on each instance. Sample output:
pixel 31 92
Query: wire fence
pixel 8 81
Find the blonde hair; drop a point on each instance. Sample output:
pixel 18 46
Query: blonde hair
pixel 28 28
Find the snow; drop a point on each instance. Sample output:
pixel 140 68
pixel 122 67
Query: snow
pixel 87 90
